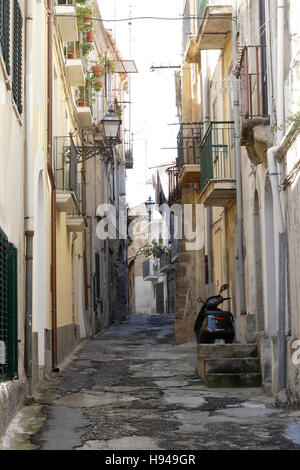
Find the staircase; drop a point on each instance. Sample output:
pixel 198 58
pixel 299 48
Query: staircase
pixel 229 365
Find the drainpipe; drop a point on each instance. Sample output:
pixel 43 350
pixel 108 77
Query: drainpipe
pixel 274 171
pixel 208 244
pixel 29 183
pixel 239 194
pixel 273 175
pixel 52 182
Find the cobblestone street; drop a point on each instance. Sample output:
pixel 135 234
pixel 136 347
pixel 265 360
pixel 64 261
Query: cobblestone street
pixel 132 388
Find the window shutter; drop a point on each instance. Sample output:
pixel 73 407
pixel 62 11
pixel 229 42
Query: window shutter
pixel 3 306
pixel 8 309
pixel 5 33
pixel 13 310
pixel 17 57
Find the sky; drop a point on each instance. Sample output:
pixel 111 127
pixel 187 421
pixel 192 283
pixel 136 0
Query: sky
pixel 153 42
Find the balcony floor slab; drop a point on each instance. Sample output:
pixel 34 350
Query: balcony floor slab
pixel 218 193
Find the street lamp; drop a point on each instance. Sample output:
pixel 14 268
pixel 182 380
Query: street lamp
pixel 112 124
pixel 149 204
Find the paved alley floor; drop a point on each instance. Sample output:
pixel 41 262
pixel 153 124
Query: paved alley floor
pixel 132 388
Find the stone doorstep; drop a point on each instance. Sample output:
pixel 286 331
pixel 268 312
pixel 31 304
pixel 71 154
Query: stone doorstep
pixel 233 380
pixel 229 365
pixel 232 365
pixel 227 350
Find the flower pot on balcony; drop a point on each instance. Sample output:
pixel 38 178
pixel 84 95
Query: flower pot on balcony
pixel 90 36
pixel 73 53
pixel 82 102
pixel 87 18
pixel 98 86
pixel 97 70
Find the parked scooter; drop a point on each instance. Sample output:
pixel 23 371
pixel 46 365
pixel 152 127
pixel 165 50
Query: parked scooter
pixel 214 325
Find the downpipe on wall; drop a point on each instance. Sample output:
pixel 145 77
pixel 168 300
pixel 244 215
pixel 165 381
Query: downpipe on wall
pixel 239 195
pixel 208 210
pixel 273 167
pixel 29 184
pixel 52 183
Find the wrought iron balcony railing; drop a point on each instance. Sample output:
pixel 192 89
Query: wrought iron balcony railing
pixel 253 82
pixel 188 143
pixel 217 158
pixel 168 257
pixel 174 186
pixel 151 269
pixel 129 158
pixel 67 170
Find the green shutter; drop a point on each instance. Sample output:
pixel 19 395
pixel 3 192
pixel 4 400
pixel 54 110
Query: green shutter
pixel 8 309
pixel 13 311
pixel 5 33
pixel 17 57
pixel 3 306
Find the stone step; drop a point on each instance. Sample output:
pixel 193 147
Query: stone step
pixel 227 350
pixel 233 380
pixel 232 365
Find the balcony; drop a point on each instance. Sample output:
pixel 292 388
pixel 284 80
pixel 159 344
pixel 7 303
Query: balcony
pixel 217 163
pixel 214 23
pixel 168 258
pixel 74 64
pixel 151 269
pixel 83 107
pixel 65 11
pixel 174 186
pixel 68 178
pixel 190 48
pixel 129 159
pixel 188 145
pixel 255 132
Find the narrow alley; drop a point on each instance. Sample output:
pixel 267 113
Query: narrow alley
pixel 133 388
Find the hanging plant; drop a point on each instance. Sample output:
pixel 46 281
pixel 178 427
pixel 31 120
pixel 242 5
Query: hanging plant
pixel 105 62
pixel 98 70
pixel 86 47
pixel 155 249
pixel 84 17
pixel 98 86
pixel 90 36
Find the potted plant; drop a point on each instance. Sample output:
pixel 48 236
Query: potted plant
pixel 82 95
pixel 72 50
pixel 84 16
pixel 86 47
pixel 90 36
pixel 98 85
pixel 102 66
pixel 98 70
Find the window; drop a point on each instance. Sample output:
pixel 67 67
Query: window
pixel 17 57
pixel 8 309
pixel 5 33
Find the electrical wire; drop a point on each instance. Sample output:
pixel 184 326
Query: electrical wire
pixel 155 18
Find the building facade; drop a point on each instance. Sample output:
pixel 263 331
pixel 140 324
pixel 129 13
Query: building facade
pixel 237 161
pixel 60 74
